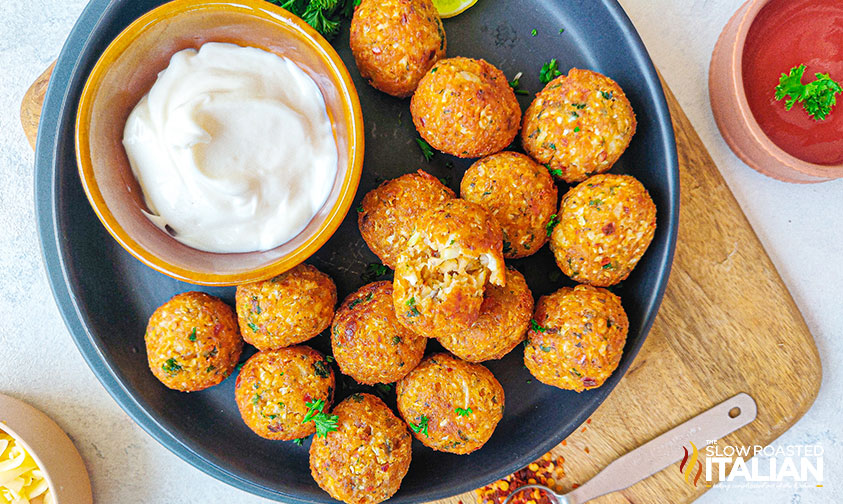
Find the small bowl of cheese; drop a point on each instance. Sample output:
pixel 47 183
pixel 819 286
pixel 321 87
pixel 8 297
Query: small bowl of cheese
pixel 220 142
pixel 38 462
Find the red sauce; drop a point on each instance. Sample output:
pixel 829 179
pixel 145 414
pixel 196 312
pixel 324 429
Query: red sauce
pixel 785 34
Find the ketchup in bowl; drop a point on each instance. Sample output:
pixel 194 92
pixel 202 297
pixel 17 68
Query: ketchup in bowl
pixel 788 33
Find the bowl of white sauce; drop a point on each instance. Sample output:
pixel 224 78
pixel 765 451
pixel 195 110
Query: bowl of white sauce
pixel 220 142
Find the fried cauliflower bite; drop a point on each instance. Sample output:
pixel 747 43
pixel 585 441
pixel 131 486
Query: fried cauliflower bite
pixel 395 42
pixel 390 212
pixel 578 125
pixel 503 322
pixel 519 193
pixel 465 107
pixel 274 387
pixel 440 280
pixel 288 309
pixel 365 459
pixel 578 338
pixel 606 223
pixel 192 342
pixel 368 342
pixel 451 405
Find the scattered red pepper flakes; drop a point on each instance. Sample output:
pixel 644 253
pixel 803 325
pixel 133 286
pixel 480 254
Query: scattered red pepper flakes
pixel 588 421
pixel 586 449
pixel 583 429
pixel 564 442
pixel 545 471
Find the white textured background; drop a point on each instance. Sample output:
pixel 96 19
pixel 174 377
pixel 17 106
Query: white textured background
pixel 799 226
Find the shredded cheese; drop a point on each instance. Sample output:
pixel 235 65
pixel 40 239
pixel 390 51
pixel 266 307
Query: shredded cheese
pixel 21 480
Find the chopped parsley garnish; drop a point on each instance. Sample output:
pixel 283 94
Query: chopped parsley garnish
pixel 507 247
pixel 324 422
pixel 322 369
pixel 545 348
pixel 253 327
pixel 576 129
pixel 605 95
pixel 192 336
pixel 596 202
pixel 579 106
pixel 426 149
pixel 170 366
pixel 561 31
pixel 299 441
pixel 817 97
pixel 536 326
pixel 329 358
pixel 360 300
pixel 383 388
pixel 576 373
pixel 421 426
pixel 549 71
pixel 396 340
pixel 463 412
pixel 554 220
pixel 608 266
pixel 515 84
pixel 360 209
pixel 534 32
pixel 556 172
pixel 256 398
pixel 373 272
pixel 210 368
pixel 238 367
pixel 414 312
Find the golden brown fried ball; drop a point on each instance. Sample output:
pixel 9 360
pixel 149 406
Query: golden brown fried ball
pixel 440 280
pixel 519 193
pixel 578 338
pixel 390 212
pixel 192 342
pixel 365 459
pixel 368 342
pixel 605 225
pixel 466 107
pixel 288 309
pixel 395 42
pixel 504 318
pixel 578 125
pixel 274 387
pixel 451 405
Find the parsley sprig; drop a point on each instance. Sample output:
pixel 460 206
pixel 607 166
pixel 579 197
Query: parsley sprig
pixel 421 426
pixel 535 326
pixel 554 220
pixel 325 423
pixel 817 97
pixel 426 149
pixel 324 16
pixel 515 84
pixel 462 411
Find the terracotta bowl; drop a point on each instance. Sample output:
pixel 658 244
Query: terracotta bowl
pixel 734 117
pixel 51 449
pixel 126 71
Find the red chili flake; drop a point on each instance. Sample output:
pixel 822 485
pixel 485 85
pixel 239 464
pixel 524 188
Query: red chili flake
pixel 583 429
pixel 609 228
pixel 385 467
pixel 575 486
pixel 586 450
pixel 589 382
pixel 588 421
pixel 564 442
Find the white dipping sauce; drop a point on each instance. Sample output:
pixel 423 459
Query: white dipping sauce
pixel 232 148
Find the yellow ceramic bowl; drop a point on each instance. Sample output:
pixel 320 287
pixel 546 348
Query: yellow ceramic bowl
pixel 126 71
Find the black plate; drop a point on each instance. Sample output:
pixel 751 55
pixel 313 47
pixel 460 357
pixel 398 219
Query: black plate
pixel 105 295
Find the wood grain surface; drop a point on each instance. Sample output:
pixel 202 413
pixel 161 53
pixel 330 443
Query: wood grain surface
pixel 727 325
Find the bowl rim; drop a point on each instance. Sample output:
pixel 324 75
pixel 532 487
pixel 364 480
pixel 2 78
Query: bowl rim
pixel 753 8
pixel 78 485
pixel 348 93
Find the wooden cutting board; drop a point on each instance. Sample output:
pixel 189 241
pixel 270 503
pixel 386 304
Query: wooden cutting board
pixel 727 325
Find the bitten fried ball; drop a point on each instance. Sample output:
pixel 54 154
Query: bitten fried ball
pixel 578 125
pixel 274 387
pixel 451 405
pixel 605 225
pixel 504 318
pixel 395 42
pixel 192 342
pixel 519 193
pixel 440 280
pixel 368 342
pixel 578 338
pixel 288 309
pixel 466 107
pixel 389 213
pixel 365 459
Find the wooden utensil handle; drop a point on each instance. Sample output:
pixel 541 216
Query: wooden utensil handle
pixel 655 455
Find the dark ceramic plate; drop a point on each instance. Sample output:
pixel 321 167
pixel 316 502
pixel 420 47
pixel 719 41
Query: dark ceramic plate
pixel 106 296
